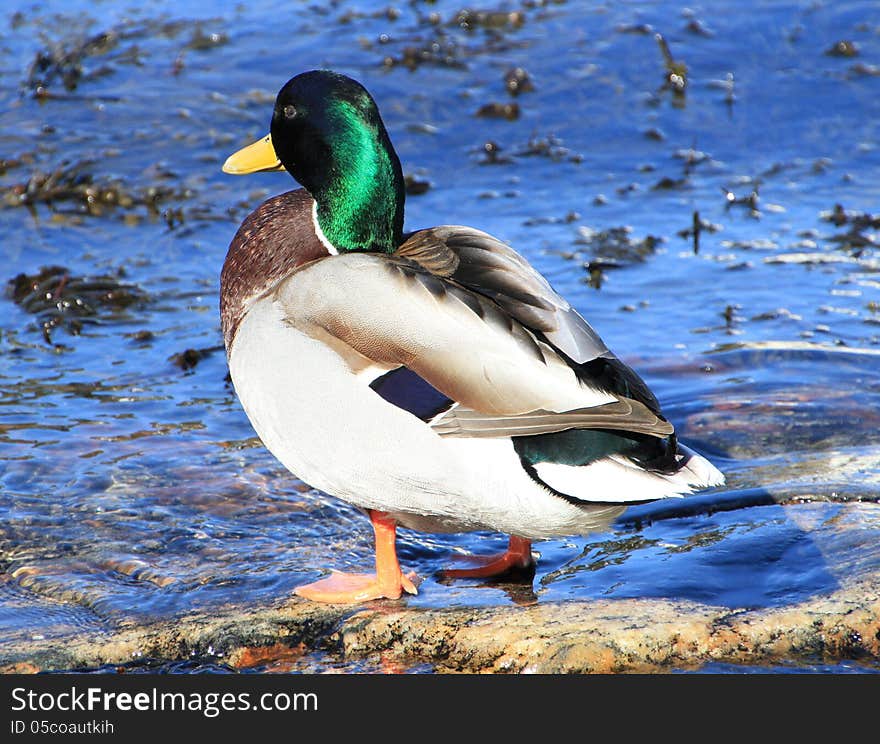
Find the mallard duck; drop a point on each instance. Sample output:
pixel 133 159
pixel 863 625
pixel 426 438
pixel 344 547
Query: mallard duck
pixel 432 378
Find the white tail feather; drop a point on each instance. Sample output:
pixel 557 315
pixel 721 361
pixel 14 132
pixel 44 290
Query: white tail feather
pixel 617 479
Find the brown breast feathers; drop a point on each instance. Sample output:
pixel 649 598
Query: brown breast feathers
pixel 277 237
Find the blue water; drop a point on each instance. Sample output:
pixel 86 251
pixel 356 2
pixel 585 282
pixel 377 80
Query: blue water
pixel 131 489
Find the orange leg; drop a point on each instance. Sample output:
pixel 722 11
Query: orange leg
pixel 388 581
pixel 517 556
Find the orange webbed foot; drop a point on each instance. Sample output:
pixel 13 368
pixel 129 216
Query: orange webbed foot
pixel 349 588
pixel 517 558
pixel 389 582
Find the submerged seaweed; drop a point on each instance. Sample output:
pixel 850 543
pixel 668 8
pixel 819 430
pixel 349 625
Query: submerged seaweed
pixel 61 299
pixel 858 236
pixel 616 245
pixel 78 56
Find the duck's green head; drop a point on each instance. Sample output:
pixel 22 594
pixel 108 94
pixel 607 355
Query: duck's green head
pixel 326 131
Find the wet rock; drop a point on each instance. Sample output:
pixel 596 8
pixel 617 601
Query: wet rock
pixel 278 657
pixel 602 636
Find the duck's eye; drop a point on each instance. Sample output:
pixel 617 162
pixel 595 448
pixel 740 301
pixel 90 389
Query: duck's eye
pixel 289 111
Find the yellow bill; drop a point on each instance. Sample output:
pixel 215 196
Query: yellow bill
pixel 256 157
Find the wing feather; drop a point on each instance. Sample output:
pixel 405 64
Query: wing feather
pixel 622 415
pixel 507 380
pixel 483 264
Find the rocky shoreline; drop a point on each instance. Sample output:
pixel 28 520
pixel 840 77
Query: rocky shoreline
pixel 633 635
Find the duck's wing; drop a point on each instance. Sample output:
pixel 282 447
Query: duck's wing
pixel 453 356
pixel 620 451
pixel 486 266
pixel 482 263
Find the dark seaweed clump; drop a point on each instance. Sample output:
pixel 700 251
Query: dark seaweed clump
pixel 854 237
pixel 78 58
pixel 509 111
pixel 415 186
pixel 73 183
pixel 549 147
pixel 517 81
pixel 189 358
pixel 698 227
pixel 440 51
pixel 60 299
pixel 616 244
pixel 65 62
pixel 675 77
pixel 843 48
pixel 490 20
pixel 467 34
pixel 612 249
